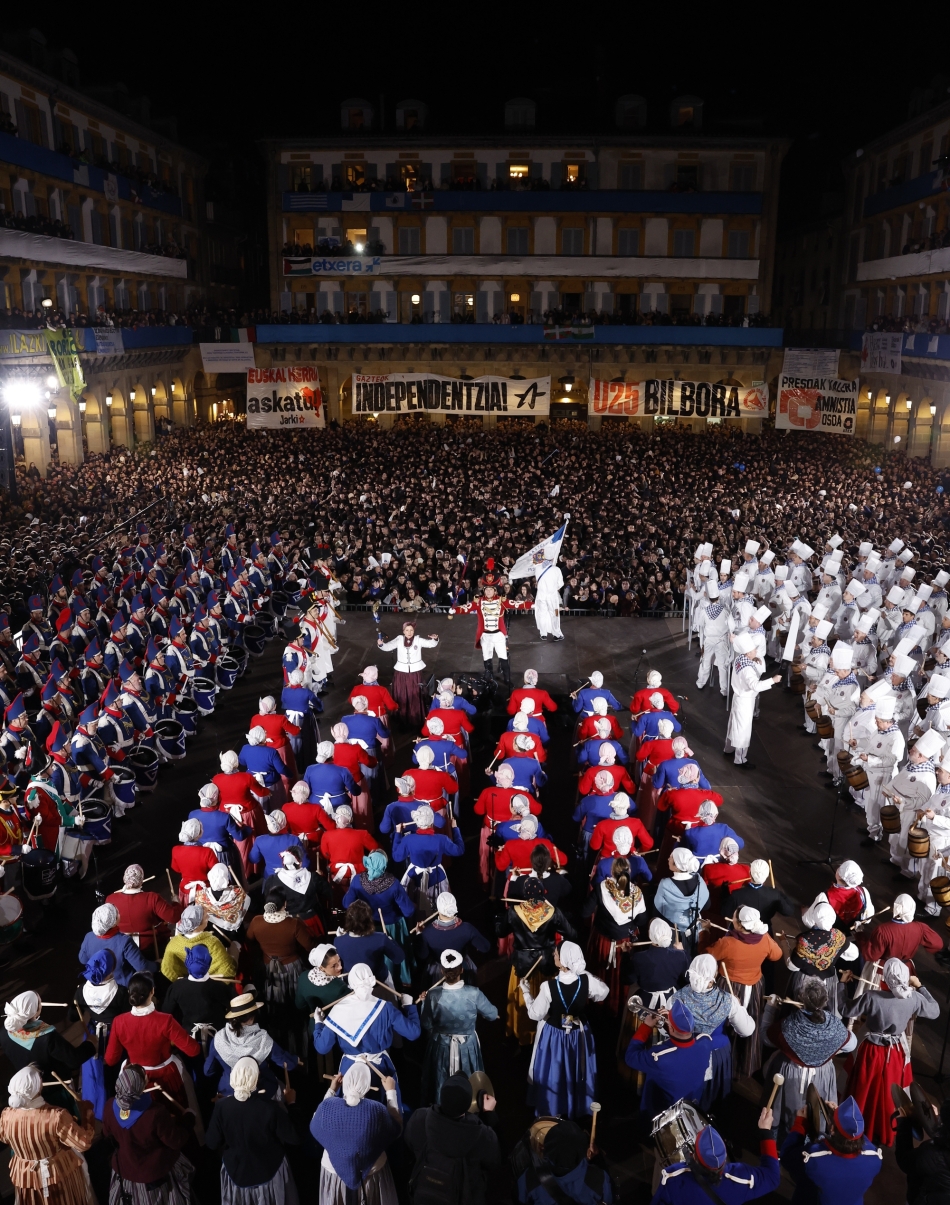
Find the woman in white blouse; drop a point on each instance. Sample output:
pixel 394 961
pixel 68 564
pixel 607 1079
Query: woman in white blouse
pixel 409 682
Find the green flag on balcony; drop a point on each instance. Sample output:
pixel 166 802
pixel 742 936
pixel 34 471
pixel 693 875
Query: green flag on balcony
pixel 61 345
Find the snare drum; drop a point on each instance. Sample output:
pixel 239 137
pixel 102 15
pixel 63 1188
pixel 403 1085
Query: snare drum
pixel 11 919
pixel 40 871
pixel 279 602
pixel 674 1132
pixel 227 669
pixel 241 657
pixel 171 739
pixel 204 693
pixel 124 786
pixel 186 712
pixel 98 826
pixel 143 763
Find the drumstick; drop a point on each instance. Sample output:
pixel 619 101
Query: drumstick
pixel 51 1004
pixel 777 1081
pixel 382 922
pixel 712 924
pixel 63 1084
pixel 728 980
pixel 372 1087
pixel 772 881
pixel 594 1109
pixel 429 989
pixel 158 1088
pixel 171 885
pixel 422 924
pixel 534 968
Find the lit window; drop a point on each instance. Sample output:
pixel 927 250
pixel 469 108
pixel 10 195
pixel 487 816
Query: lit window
pixel 355 174
pixel 572 173
pixel 519 171
pixel 515 296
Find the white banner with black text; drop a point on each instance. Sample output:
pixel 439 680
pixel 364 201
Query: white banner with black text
pixel 286 398
pixel 816 404
pixel 411 392
pixel 676 399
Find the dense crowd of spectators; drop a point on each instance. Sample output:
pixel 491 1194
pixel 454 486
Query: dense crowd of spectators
pixel 929 242
pixel 910 325
pixel 36 224
pixel 409 514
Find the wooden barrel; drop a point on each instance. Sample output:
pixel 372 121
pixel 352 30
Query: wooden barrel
pixel 940 886
pixel 918 841
pixel 811 710
pixel 826 727
pixel 797 680
pixel 844 760
pixel 857 778
pixel 891 818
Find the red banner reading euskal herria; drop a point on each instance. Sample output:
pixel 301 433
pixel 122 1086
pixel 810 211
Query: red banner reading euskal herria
pixel 285 398
pixel 682 399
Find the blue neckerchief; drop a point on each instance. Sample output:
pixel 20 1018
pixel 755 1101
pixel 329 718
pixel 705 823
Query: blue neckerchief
pixel 820 650
pixel 742 662
pixel 138 1108
pixel 714 610
pixel 851 680
pixel 924 767
pixel 871 581
pixel 884 731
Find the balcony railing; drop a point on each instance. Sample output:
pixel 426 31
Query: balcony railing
pixel 17 244
pixel 903 194
pixel 922 263
pixel 488 332
pixel 592 201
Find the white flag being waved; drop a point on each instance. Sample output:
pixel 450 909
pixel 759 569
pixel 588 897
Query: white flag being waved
pixel 530 564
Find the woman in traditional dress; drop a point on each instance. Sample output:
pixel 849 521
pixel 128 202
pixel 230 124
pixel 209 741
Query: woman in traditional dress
pixel 387 898
pixel 450 1011
pixel 98 1002
pixel 242 1037
pixel 806 1040
pixel 821 951
pixel 615 903
pixel 358 940
pixel 681 898
pixel 883 1058
pixel 47 1167
pixel 148 1167
pixel 304 895
pixel 562 1075
pixel 740 954
pixel 241 795
pixel 423 849
pixel 224 901
pixel 408 680
pixel 364 1026
pixel 252 1132
pixel 535 924
pixel 317 988
pixel 354 1133
pixel 191 931
pixel 848 897
pixel 283 941
pixel 150 1039
pixel 447 931
pixel 712 1009
pixel 26 1038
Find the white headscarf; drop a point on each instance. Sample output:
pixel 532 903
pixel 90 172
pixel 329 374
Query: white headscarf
pixel 528 828
pixel 657 701
pixel 218 877
pixel 708 812
pixel 423 816
pixel 623 840
pixel 300 791
pixel 243 1078
pixel 728 851
pixel 751 920
pixel 897 978
pixel 26 1088
pixel 702 973
pixel 324 750
pixel 606 755
pixel 620 804
pixel 276 821
pixel 904 909
pixel 190 832
pixel 665 728
pixel 851 874
pixel 571 957
pixel 425 757
pixel 405 785
pixel 22 1009
pixel 106 916
pixel 759 870
pixel 343 816
pixel 686 863
pixel 209 795
pixel 599 706
pixel 660 933
pixel 229 761
pixel 597 679
pixel 267 705
pixel 361 981
pixel 820 916
pixel 192 920
pixel 356 1083
pixel 296 677
pixel 681 747
pixel 520 723
pixel 446 904
pixel 654 678
pixel 435 725
pixel 257 735
pixel 318 953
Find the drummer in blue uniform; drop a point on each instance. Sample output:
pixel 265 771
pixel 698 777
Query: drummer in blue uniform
pixel 647 727
pixel 326 779
pixel 38 625
pixel 705 838
pixel 588 754
pixel 674 1069
pixel 584 702
pixel 442 750
pixel 217 827
pixel 105 935
pixel 709 1176
pixel 667 772
pixel 92 675
pixel 117 648
pixel 423 848
pixel 137 631
pixel 837 1168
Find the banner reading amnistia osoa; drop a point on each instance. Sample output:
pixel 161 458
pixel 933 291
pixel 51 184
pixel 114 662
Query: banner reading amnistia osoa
pixel 284 398
pixel 408 392
pixel 821 404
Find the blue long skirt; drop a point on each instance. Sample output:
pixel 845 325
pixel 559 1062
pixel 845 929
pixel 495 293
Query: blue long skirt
pixel 719 1087
pixel 563 1072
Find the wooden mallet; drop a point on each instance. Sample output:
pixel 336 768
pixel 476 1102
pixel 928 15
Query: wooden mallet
pixel 63 1084
pixel 422 924
pixel 777 1081
pixel 594 1110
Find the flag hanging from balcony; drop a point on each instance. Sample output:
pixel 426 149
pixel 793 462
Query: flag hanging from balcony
pixel 61 345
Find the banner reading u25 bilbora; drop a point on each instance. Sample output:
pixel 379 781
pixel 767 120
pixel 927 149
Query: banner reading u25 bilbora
pixel 407 392
pixel 816 404
pixel 284 398
pixel 682 399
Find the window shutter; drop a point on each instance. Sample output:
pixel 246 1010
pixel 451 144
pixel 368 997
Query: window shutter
pixel 593 175
pixel 535 302
pixel 336 172
pixel 376 301
pixel 590 301
pixel 445 173
pixel 392 174
pixel 44 130
pixel 481 306
pixel 445 306
pixel 481 174
pixel 715 303
pixel 537 171
pixel 425 174
pixel 557 170
pixel 22 125
pixel 428 305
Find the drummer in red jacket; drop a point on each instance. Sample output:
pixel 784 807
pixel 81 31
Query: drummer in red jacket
pixel 191 860
pixel 607 765
pixel 343 847
pixel 379 702
pixel 540 698
pixel 141 912
pixel 454 721
pixel 602 838
pixel 305 819
pixel 352 757
pixel 641 700
pixel 516 854
pixel 519 743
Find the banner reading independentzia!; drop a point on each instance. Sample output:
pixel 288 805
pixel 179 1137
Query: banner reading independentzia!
pixel 284 398
pixel 683 399
pixel 816 404
pixel 408 392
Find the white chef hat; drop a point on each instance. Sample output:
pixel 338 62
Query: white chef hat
pixel 929 743
pixel 908 575
pixel 819 611
pixel 873 563
pixel 767 557
pixel 884 708
pixel 822 629
pixel 781 573
pixel 904 666
pixel 864 548
pixel 842 655
pixel 924 592
pixel 907 555
pixel 895 546
pixel 877 690
pixel 741 584
pixel 939 686
pixel 752 547
pixel 912 604
pixel 725 566
pixel 835 541
pixel 942 578
pixel 712 589
pixel 792 590
pixel 865 623
pixel 855 588
pixel 762 613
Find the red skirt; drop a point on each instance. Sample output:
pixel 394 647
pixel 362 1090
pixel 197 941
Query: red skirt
pixel 646 802
pixel 598 959
pixel 873 1070
pixel 315 926
pixel 408 692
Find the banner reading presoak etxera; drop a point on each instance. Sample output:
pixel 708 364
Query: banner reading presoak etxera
pixel 681 399
pixel 816 404
pixel 284 398
pixel 410 392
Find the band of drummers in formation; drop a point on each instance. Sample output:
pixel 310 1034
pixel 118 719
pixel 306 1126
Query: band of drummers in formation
pixel 307 924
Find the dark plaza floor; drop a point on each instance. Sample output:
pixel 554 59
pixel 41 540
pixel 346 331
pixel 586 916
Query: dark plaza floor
pixel 781 808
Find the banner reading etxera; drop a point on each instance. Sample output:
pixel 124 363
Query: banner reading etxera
pixel 284 398
pixel 408 392
pixel 684 399
pixel 816 404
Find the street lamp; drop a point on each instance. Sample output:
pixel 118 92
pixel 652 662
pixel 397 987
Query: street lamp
pixel 46 303
pixel 108 399
pixel 568 383
pixel 51 411
pixel 82 407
